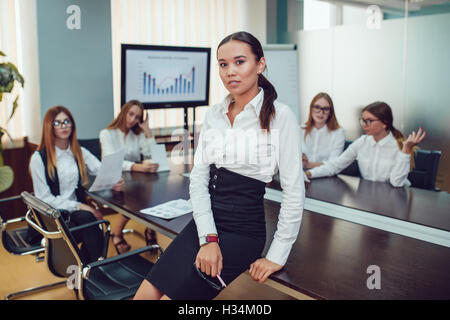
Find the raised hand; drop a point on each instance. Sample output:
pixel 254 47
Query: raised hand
pixel 413 140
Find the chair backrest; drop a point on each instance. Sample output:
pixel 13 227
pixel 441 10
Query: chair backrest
pixel 93 145
pixel 61 248
pixel 426 163
pixel 352 169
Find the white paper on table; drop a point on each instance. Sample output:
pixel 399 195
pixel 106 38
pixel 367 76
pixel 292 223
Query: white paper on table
pixel 110 171
pixel 170 210
pixel 159 156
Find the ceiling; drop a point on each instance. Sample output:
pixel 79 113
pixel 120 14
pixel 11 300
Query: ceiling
pixel 413 5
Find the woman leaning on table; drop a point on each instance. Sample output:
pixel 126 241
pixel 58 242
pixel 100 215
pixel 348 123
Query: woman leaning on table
pixel 59 170
pixel 130 131
pixel 228 234
pixel 321 136
pixel 383 153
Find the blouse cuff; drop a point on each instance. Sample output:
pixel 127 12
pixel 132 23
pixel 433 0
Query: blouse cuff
pixel 205 225
pixel 127 165
pixel 278 252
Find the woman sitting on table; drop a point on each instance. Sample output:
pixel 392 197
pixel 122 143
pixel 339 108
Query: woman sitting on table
pixel 322 137
pixel 244 141
pixel 130 131
pixel 59 170
pixel 383 153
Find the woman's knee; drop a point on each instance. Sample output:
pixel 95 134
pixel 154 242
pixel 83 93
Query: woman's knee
pixel 148 291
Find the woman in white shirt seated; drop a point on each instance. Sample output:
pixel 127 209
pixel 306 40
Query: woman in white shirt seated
pixel 59 171
pixel 243 142
pixel 322 137
pixel 130 131
pixel 383 153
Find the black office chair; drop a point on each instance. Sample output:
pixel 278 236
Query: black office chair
pixel 114 278
pixel 426 163
pixel 93 145
pixel 15 241
pixel 352 169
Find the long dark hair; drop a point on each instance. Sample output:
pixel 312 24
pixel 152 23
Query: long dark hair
pixel 383 112
pixel 270 94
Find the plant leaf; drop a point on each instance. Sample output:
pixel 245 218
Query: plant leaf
pixel 16 74
pixel 15 105
pixel 6 177
pixel 1 96
pixel 2 54
pixel 3 131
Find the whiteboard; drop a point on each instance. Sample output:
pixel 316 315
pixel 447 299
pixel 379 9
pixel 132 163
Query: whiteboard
pixel 282 72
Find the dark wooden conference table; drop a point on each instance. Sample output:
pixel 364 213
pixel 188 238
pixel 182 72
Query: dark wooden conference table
pixel 332 258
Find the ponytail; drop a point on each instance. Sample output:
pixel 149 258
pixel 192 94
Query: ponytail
pixel 268 109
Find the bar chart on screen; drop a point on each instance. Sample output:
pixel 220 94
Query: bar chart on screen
pixel 182 84
pixel 163 76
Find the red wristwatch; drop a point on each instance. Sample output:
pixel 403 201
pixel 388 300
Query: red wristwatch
pixel 208 239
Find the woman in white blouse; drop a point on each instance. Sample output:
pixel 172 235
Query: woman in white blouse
pixel 59 171
pixel 244 141
pixel 383 153
pixel 322 137
pixel 130 131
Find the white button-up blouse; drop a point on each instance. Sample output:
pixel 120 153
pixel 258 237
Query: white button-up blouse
pixel 67 175
pixel 377 161
pixel 244 149
pixel 322 144
pixel 112 140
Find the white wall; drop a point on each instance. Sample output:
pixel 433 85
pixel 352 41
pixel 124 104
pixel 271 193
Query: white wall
pixel 357 66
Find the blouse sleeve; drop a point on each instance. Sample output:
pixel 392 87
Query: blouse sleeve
pixel 91 161
pixel 336 165
pixel 338 144
pixel 42 190
pixel 109 146
pixel 145 145
pixel 293 188
pixel 198 188
pixel 400 171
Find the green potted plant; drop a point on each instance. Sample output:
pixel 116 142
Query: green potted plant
pixel 8 76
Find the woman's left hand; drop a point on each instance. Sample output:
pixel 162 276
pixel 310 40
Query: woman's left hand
pixel 413 140
pixel 119 186
pixel 262 268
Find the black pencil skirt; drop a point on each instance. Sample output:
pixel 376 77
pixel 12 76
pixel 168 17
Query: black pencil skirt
pixel 237 203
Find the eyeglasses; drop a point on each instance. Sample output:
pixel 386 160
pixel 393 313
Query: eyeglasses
pixel 367 122
pixel 210 282
pixel 66 123
pixel 318 109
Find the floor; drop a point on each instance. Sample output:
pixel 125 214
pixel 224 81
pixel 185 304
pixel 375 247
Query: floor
pixel 22 272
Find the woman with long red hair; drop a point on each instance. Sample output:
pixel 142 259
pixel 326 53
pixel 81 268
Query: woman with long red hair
pixel 130 131
pixel 322 137
pixel 59 170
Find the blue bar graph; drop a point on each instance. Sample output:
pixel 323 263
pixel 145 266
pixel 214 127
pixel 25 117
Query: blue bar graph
pixel 182 84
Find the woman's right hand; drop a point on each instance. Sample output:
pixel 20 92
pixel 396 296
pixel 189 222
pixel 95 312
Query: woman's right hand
pixel 145 166
pixel 209 259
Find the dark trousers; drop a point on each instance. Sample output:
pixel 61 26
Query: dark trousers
pixel 91 238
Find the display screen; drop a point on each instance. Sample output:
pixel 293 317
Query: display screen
pixel 165 77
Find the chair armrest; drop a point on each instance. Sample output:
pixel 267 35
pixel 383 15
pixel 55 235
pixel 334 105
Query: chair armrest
pixel 96 264
pixel 90 224
pixel 10 198
pixel 106 234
